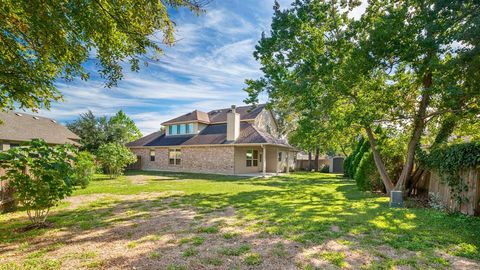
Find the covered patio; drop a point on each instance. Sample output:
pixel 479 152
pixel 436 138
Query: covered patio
pixel 265 160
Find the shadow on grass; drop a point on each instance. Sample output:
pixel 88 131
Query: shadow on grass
pixel 304 208
pixel 184 175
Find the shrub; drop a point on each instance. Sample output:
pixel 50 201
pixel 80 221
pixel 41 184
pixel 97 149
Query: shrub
pixel 41 176
pixel 347 165
pixel 358 157
pixel 366 176
pixel 114 158
pixel 84 169
pixel 351 162
pixel 325 169
pixel 435 202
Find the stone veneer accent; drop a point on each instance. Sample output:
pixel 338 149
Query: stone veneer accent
pixel 204 159
pixel 265 119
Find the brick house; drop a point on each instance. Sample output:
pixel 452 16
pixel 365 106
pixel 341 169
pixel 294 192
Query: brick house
pixel 238 140
pixel 17 128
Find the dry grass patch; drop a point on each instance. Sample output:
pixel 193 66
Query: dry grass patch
pixel 217 222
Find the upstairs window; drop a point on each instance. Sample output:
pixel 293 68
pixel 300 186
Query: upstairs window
pixel 181 129
pixel 174 156
pixel 172 129
pixel 252 158
pixel 152 155
pixel 190 128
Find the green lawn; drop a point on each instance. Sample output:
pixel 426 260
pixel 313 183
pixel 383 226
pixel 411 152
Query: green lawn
pixel 322 218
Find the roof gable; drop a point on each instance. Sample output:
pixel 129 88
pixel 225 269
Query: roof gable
pixel 217 116
pixel 195 116
pixel 246 113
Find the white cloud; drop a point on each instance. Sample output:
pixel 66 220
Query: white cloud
pixel 204 70
pixel 357 12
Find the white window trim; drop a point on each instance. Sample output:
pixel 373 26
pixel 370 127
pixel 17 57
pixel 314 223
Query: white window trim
pixel 252 159
pixel 176 161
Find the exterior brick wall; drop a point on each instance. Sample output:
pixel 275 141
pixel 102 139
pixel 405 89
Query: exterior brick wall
pixel 194 159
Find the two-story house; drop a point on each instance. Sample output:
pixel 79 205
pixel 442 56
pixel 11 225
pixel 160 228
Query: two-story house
pixel 239 140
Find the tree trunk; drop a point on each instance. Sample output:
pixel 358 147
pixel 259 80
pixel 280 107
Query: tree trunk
pixel 419 124
pixel 309 161
pixel 446 129
pixel 317 153
pixel 7 198
pixel 379 162
pixel 413 180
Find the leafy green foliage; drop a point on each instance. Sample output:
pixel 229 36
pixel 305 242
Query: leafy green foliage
pixel 96 131
pixel 84 169
pixel 44 40
pixel 41 175
pixel 397 65
pixel 362 166
pixel 365 146
pixel 366 175
pixel 347 165
pixel 449 161
pixel 114 158
pixel 122 129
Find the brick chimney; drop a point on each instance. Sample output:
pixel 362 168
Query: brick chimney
pixel 233 124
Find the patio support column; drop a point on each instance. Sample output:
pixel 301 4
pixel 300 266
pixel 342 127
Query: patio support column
pixel 264 160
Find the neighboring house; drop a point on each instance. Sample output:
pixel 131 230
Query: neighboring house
pixel 227 141
pixel 17 128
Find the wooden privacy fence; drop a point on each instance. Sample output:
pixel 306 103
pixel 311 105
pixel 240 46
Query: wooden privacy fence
pixel 303 164
pixel 470 204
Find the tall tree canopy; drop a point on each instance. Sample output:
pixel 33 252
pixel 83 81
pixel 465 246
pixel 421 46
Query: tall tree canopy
pixel 41 41
pixel 96 131
pixel 402 65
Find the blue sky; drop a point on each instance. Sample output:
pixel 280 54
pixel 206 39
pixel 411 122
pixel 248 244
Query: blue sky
pixel 205 70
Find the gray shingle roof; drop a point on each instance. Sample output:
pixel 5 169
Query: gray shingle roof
pixel 246 113
pixel 218 116
pixel 195 116
pixel 23 127
pixel 213 134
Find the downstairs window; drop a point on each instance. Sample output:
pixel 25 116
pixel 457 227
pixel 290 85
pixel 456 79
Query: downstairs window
pixel 174 156
pixel 252 158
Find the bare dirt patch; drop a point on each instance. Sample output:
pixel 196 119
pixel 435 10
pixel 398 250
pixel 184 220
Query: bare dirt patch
pixel 82 200
pixel 155 231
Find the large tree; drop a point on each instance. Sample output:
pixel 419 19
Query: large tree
pixel 41 41
pixel 95 131
pixel 401 65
